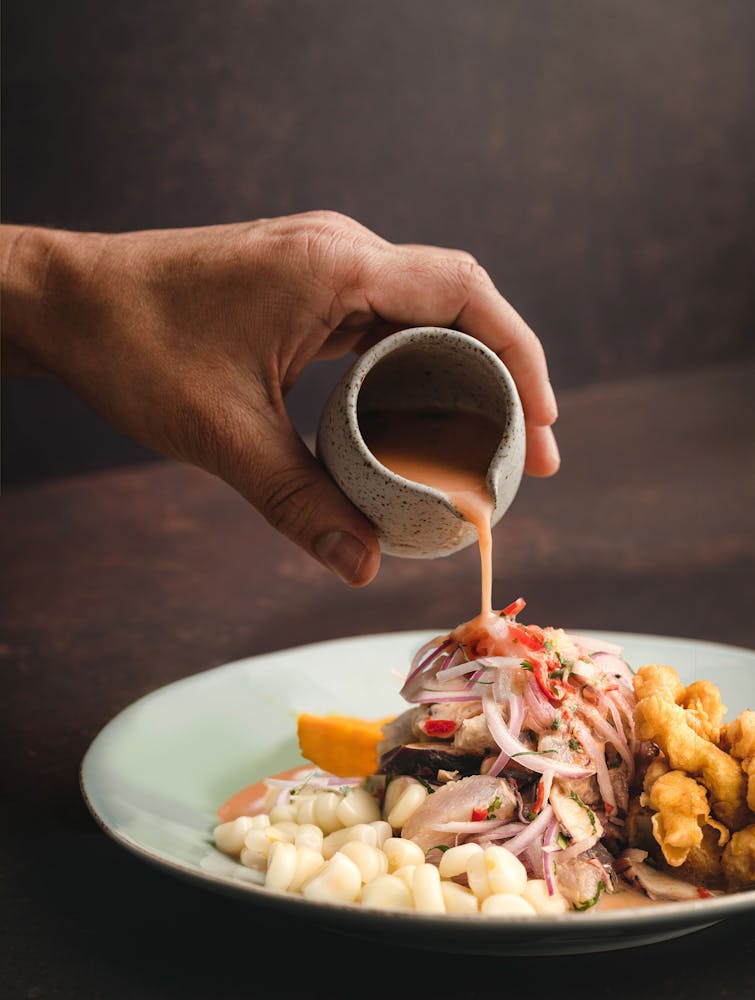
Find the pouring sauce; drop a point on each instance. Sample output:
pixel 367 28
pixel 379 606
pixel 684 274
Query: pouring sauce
pixel 450 451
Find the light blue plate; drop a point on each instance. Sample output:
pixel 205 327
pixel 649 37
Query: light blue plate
pixel 155 775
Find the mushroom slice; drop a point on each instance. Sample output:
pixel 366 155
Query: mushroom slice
pixel 424 760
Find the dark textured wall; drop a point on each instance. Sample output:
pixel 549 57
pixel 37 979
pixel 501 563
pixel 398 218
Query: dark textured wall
pixel 597 157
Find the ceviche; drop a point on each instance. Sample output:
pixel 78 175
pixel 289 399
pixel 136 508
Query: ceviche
pixel 533 771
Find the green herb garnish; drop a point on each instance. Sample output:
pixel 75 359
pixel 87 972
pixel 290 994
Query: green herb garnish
pixel 587 903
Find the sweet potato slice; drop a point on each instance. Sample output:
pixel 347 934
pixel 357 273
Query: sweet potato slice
pixel 341 744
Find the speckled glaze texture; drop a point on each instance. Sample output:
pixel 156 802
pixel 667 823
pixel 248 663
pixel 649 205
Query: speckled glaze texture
pixel 425 368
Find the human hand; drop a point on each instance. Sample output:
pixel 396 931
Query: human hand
pixel 188 340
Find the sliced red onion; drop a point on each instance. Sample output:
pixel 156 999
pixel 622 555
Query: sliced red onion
pixel 437 647
pixel 613 664
pixel 480 666
pixel 601 727
pixel 429 697
pixel 597 755
pixel 540 709
pixel 560 854
pixel 535 829
pixel 514 747
pixel 516 718
pixel 591 645
pixel 503 832
pixel 549 866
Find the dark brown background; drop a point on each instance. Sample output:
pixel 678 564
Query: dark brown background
pixel 597 157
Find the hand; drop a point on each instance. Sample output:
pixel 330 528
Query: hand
pixel 188 340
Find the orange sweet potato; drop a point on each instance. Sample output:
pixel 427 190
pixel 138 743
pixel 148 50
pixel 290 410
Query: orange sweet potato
pixel 340 744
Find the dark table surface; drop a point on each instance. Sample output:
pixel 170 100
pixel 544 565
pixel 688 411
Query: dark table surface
pixel 117 583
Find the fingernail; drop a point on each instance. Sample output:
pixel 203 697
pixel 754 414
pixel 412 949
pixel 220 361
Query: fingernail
pixel 342 553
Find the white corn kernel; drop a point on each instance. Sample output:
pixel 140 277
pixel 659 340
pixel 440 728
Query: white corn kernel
pixel 426 890
pixel 408 803
pixel 506 904
pixel 357 806
pixel 229 837
pixel 370 861
pixel 326 811
pixel 387 892
pixel 338 881
pixel 281 866
pixel 253 859
pixel 285 831
pixel 536 893
pixel 454 860
pixel 306 809
pixel 334 841
pixel 309 835
pixel 506 873
pixel 406 874
pixel 258 842
pixel 458 898
pixel 283 813
pixel 477 876
pixel 308 863
pixel 259 821
pixel 394 790
pixel 383 829
pixel 401 852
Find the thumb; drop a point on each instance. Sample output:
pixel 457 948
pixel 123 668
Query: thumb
pixel 296 495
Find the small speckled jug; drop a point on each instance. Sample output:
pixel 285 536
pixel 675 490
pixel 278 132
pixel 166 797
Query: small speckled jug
pixel 423 368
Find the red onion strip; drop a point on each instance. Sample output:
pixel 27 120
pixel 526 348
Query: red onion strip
pixel 525 756
pixel 598 757
pixel 519 843
pixel 572 851
pixel 591 645
pixel 549 866
pixel 516 718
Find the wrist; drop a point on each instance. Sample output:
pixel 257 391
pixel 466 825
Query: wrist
pixel 41 272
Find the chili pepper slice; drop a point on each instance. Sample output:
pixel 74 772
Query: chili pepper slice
pixel 515 607
pixel 530 636
pixel 439 727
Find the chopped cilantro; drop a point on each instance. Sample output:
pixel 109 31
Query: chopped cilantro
pixel 587 903
pixel 526 665
pixel 587 809
pixel 425 784
pixel 556 722
pixel 493 808
pixel 574 744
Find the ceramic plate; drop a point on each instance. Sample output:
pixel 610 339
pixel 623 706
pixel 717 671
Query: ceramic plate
pixel 156 773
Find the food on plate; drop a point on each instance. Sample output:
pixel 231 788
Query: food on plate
pixel 341 744
pixel 533 772
pixel 740 738
pixel 697 793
